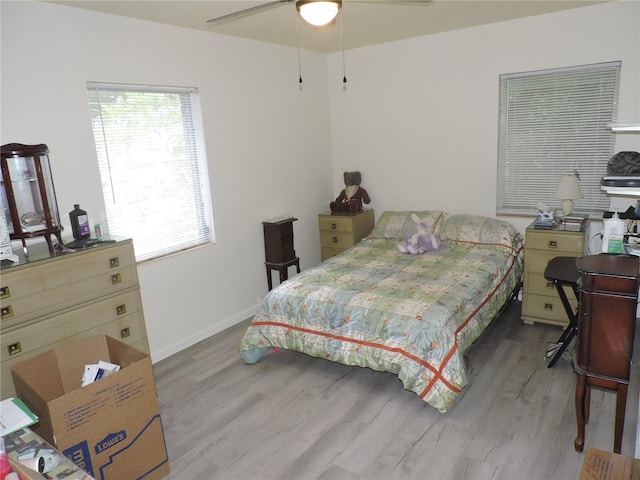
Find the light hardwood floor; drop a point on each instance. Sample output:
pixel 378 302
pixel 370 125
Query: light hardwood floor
pixel 291 416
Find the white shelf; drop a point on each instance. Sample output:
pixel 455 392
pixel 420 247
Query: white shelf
pixel 623 191
pixel 625 127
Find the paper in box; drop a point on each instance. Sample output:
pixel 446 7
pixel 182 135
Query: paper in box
pixel 111 428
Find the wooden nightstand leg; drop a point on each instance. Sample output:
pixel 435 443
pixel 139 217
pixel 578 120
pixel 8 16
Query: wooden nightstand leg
pixel 269 282
pixel 284 274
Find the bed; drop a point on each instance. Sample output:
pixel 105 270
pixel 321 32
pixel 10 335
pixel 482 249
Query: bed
pixel 412 315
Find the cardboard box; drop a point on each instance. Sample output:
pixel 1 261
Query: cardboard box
pixel 603 465
pixel 110 428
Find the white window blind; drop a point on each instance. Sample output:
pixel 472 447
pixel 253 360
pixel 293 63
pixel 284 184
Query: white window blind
pixel 552 123
pixel 152 163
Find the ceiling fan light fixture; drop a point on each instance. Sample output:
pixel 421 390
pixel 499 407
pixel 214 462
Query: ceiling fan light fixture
pixel 318 13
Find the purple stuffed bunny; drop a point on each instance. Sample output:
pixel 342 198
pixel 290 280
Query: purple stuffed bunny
pixel 423 240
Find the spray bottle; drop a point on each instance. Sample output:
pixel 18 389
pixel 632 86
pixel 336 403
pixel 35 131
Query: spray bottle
pixel 613 234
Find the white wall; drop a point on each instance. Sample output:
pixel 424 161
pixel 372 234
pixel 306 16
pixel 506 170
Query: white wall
pixel 420 117
pixel 263 161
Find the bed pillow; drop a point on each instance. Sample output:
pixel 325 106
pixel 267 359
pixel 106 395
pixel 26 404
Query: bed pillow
pixel 478 229
pixel 398 225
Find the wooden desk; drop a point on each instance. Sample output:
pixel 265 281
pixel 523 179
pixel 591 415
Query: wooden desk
pixel 608 287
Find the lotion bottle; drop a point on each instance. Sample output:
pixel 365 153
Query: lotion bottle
pixel 612 234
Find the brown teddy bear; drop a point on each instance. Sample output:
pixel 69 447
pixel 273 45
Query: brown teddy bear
pixel 353 195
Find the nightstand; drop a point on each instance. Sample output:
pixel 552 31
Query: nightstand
pixel 339 231
pixel 540 301
pixel 278 247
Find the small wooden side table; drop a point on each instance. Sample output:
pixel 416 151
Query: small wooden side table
pixel 278 247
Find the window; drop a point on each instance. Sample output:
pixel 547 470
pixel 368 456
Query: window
pixel 153 166
pixel 553 122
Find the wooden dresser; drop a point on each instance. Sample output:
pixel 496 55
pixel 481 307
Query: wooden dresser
pixel 339 231
pixel 47 301
pixel 540 301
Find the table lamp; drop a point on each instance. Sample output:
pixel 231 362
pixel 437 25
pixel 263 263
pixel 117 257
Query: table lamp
pixel 568 191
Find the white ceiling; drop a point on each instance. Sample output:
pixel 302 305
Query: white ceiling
pixel 365 22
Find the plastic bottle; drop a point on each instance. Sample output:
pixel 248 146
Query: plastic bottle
pixel 5 466
pixel 79 223
pixel 612 234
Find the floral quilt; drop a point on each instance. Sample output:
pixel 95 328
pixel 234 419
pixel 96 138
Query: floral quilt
pixel 412 315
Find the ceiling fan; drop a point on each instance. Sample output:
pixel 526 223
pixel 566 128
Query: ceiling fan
pixel 318 13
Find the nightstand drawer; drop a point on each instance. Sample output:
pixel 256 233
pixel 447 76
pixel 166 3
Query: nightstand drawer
pixel 537 260
pixel 545 307
pixel 555 241
pixel 538 285
pixel 328 252
pixel 335 223
pixel 336 239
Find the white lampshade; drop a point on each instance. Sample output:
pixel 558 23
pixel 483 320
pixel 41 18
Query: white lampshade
pixel 568 191
pixel 318 13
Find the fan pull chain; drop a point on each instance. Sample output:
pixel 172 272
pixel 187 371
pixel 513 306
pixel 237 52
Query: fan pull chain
pixel 344 68
pixel 298 43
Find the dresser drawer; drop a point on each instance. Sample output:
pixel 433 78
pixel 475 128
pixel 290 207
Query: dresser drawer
pixel 559 242
pixel 50 287
pixel 545 308
pixel 55 328
pixel 47 334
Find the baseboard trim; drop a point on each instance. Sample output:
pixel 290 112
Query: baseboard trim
pixel 217 327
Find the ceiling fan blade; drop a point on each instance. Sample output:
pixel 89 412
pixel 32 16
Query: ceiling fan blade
pixel 391 2
pixel 248 11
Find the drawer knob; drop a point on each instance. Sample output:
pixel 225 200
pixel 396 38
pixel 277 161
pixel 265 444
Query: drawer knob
pixel 114 262
pixel 125 332
pixel 116 278
pixel 4 292
pixel 553 244
pixel 333 226
pixel 14 348
pixel 121 309
pixel 549 284
pixel 548 307
pixel 334 239
pixel 6 312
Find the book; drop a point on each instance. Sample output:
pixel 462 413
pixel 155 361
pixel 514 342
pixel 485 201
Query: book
pixel 14 416
pixel 572 227
pixel 573 223
pixel 574 218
